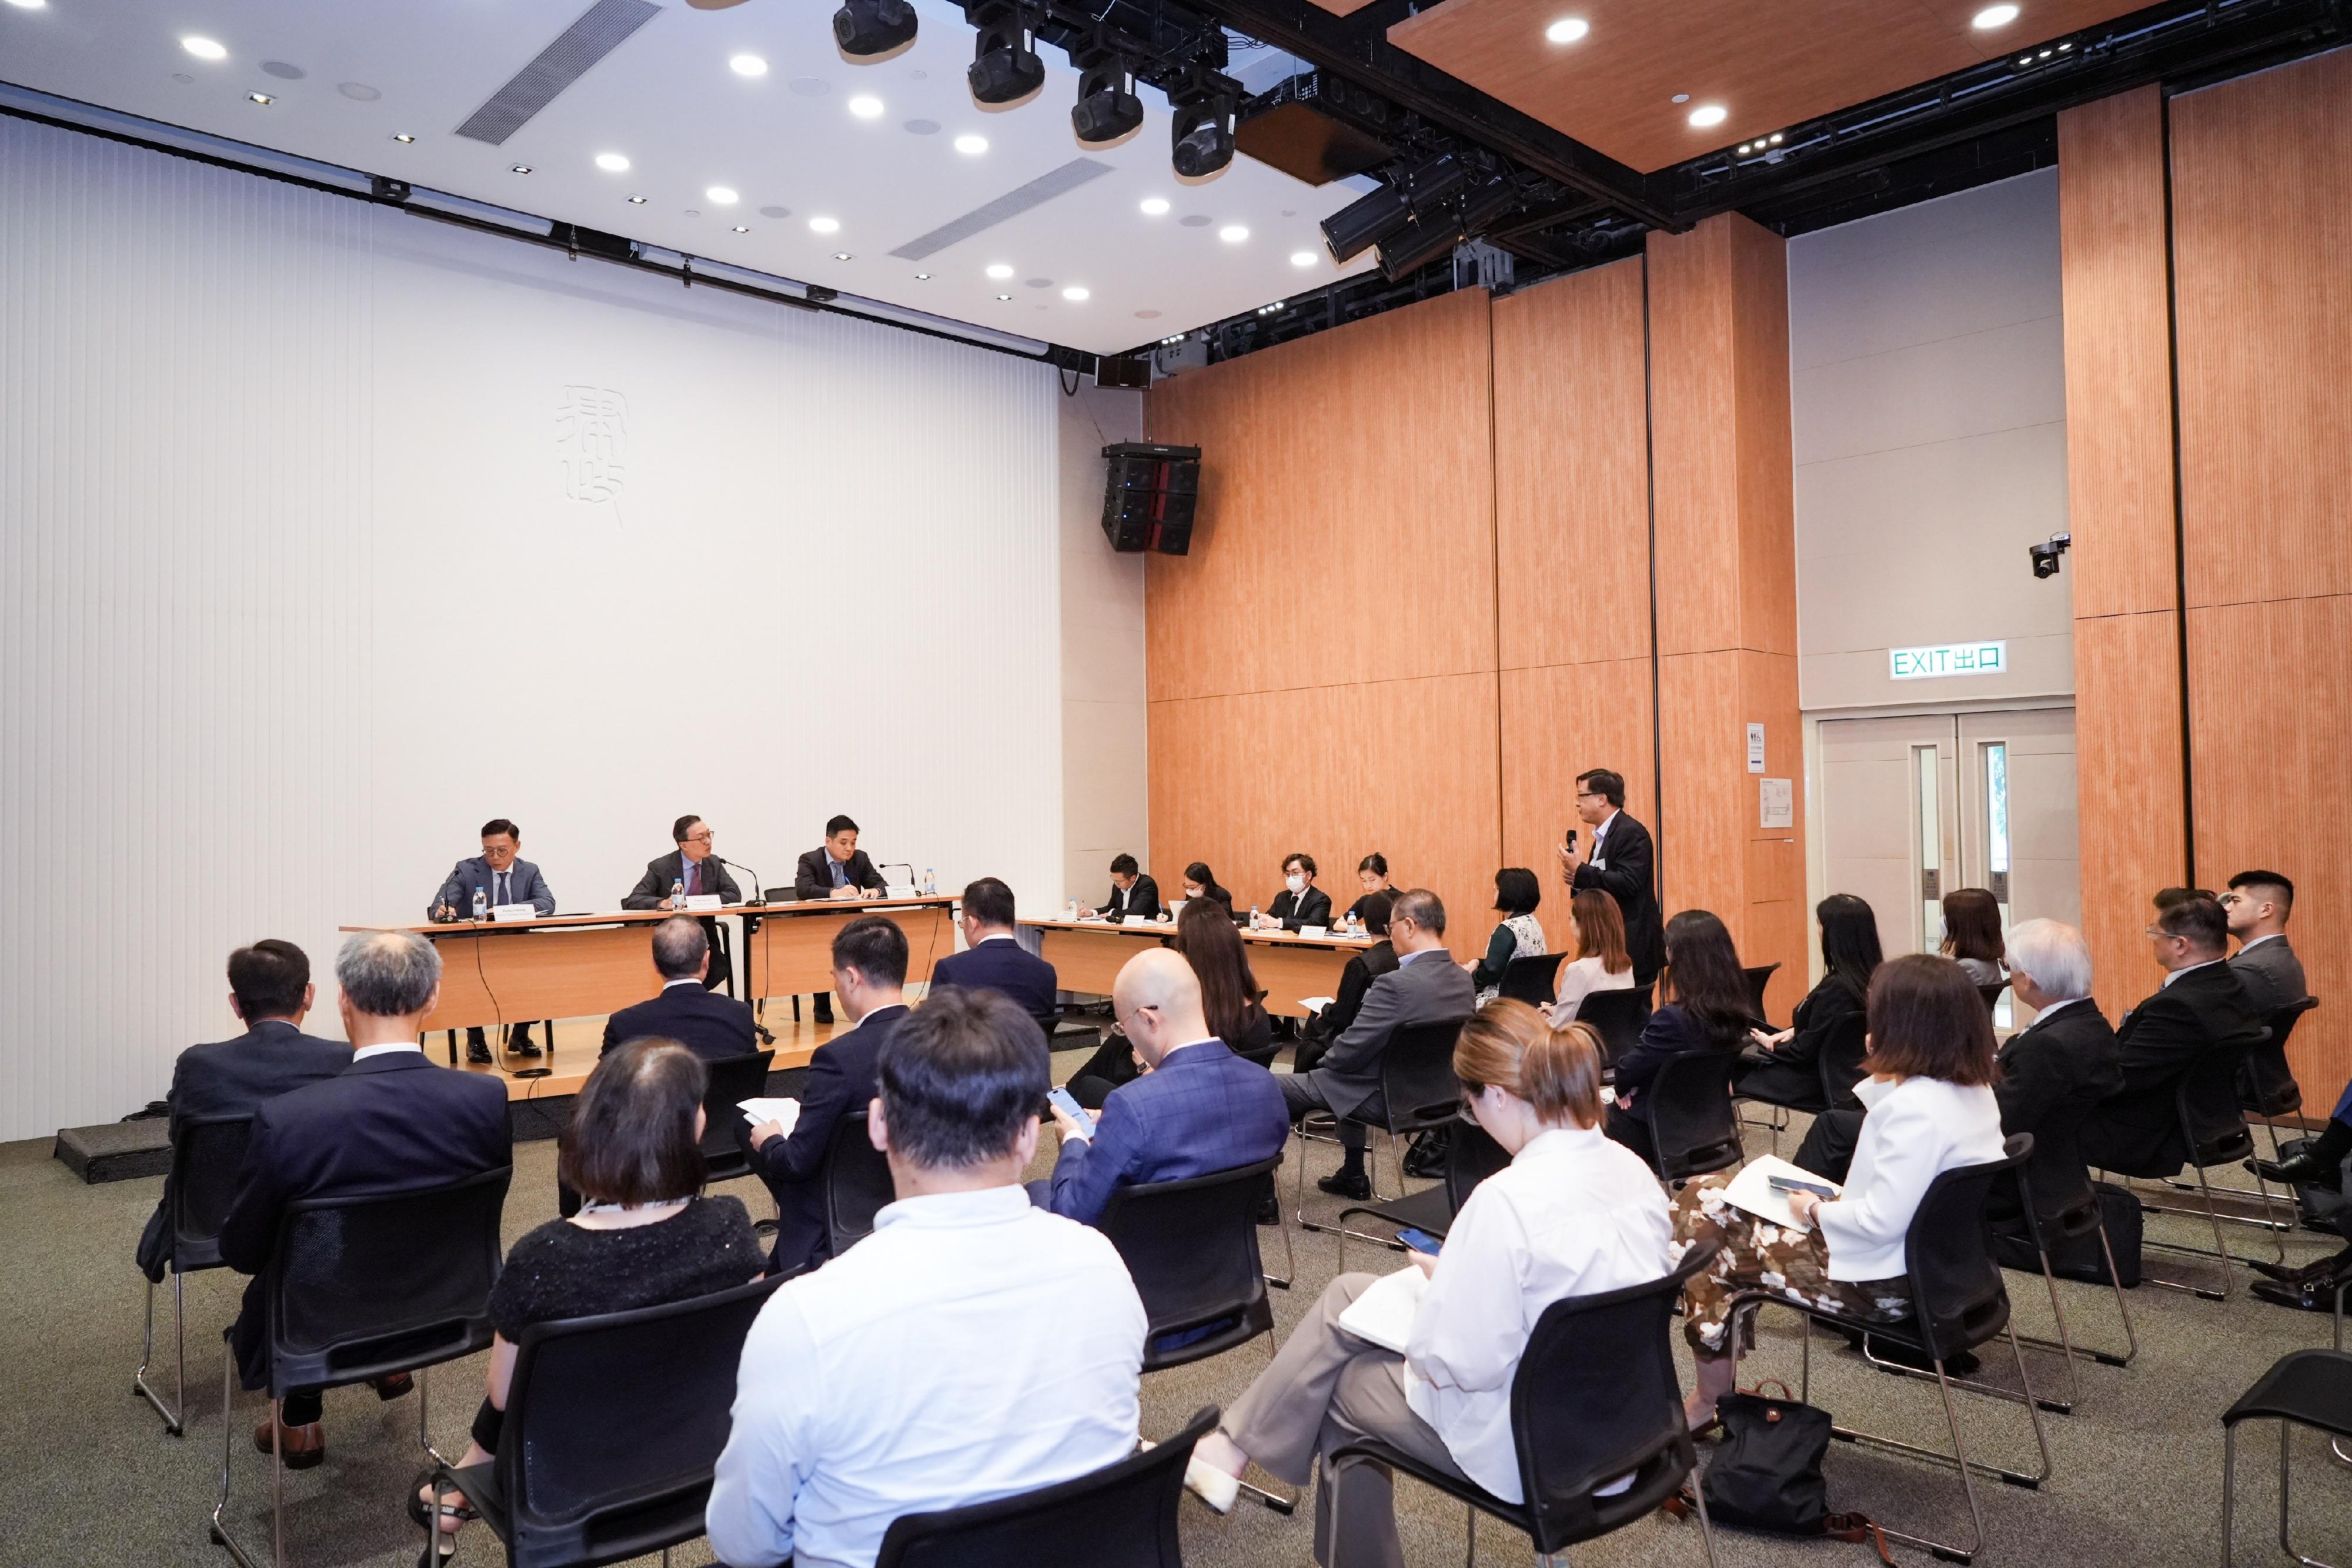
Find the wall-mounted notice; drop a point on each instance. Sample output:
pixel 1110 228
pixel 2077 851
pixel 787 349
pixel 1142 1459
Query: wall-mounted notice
pixel 1776 802
pixel 1947 659
pixel 1755 748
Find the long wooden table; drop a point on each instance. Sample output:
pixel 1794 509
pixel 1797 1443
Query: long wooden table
pixel 1088 954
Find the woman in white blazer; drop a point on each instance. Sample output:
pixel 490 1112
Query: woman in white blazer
pixel 1929 1108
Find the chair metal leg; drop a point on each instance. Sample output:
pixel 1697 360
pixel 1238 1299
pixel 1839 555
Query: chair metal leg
pixel 1289 1257
pixel 423 1376
pixel 175 1414
pixel 2285 1544
pixel 2228 1489
pixel 1706 1525
pixel 1470 1534
pixel 2033 1405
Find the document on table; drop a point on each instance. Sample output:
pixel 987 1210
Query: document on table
pixel 1315 1004
pixel 785 1110
pixel 1384 1314
pixel 1752 1190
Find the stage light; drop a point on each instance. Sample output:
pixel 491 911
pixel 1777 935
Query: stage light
pixel 1370 220
pixel 874 29
pixel 1202 134
pixel 1107 109
pixel 1004 65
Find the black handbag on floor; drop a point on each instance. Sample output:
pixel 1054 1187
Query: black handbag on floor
pixel 1766 1474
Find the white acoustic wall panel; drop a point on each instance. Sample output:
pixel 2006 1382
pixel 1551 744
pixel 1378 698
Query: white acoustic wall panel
pixel 331 532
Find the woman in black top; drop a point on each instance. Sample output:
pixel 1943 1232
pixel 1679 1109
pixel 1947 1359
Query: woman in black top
pixel 1229 1000
pixel 1784 1069
pixel 643 1235
pixel 1372 871
pixel 1709 1010
pixel 1200 881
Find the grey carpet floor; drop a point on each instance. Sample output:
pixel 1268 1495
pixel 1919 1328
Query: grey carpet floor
pixel 90 1477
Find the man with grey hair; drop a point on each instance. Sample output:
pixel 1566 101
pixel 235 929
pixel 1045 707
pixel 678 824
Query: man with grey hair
pixel 391 1122
pixel 684 1010
pixel 2067 1055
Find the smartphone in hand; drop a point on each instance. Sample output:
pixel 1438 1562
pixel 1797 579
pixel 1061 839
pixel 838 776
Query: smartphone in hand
pixel 1791 1184
pixel 1421 1240
pixel 1060 1099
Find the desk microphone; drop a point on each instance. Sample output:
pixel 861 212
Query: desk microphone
pixel 758 894
pixel 901 865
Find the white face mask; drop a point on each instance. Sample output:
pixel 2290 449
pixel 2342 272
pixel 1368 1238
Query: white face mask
pixel 1194 892
pixel 1296 882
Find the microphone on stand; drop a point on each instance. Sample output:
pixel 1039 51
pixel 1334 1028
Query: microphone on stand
pixel 757 898
pixel 906 866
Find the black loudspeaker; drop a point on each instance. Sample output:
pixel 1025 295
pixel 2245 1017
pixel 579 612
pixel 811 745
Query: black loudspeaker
pixel 1150 496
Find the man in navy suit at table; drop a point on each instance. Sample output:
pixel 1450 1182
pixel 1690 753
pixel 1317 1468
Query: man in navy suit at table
pixel 996 961
pixel 501 879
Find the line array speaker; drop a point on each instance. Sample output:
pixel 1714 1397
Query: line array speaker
pixel 1149 496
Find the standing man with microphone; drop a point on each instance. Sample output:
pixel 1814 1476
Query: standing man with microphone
pixel 501 879
pixel 1621 861
pixel 687 871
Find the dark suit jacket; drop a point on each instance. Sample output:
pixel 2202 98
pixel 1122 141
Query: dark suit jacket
pixel 1221 896
pixel 1000 963
pixel 524 884
pixel 394 1123
pixel 1355 980
pixel 1630 878
pixel 664 870
pixel 1432 989
pixel 1671 1031
pixel 841 1079
pixel 1142 899
pixel 2136 1130
pixel 1295 911
pixel 1205 1110
pixel 2065 1056
pixel 2272 974
pixel 813 878
pixel 229 1078
pixel 707 1024
pixel 1792 1074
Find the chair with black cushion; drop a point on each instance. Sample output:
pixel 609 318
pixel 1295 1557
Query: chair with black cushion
pixel 1190 1247
pixel 2213 1129
pixel 1760 976
pixel 1471 1156
pixel 2058 1204
pixel 365 1287
pixel 1837 1069
pixel 733 1080
pixel 204 1160
pixel 2309 1388
pixel 1694 1128
pixel 1530 979
pixel 613 1425
pixel 1959 1302
pixel 1121 1516
pixel 1617 1016
pixel 857 1184
pixel 1419 1091
pixel 1595 1398
pixel 2266 1087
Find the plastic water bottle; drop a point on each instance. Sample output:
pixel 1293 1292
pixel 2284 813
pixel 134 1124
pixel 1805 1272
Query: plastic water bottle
pixel 1253 916
pixel 481 903
pixel 677 893
pixel 930 881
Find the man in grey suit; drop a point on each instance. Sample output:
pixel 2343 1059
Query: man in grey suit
pixel 501 879
pixel 2259 902
pixel 1426 987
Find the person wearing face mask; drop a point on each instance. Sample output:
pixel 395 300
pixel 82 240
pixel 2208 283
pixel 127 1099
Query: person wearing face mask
pixel 1200 881
pixel 1300 903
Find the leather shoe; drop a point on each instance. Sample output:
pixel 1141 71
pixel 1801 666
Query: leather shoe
pixel 2313 1296
pixel 1349 1184
pixel 397 1385
pixel 528 1048
pixel 2295 1170
pixel 478 1054
pixel 306 1447
pixel 2324 1269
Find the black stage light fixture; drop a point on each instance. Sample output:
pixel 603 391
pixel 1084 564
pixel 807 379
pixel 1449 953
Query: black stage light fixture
pixel 1201 137
pixel 1107 110
pixel 873 29
pixel 1416 245
pixel 1004 65
pixel 1370 220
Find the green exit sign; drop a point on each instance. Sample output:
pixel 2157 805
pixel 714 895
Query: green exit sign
pixel 1947 659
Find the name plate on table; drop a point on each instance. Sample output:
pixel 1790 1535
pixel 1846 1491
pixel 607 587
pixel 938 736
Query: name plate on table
pixel 1315 931
pixel 515 912
pixel 1136 920
pixel 703 901
pixel 893 890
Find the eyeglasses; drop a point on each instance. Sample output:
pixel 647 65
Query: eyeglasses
pixel 1591 795
pixel 701 838
pixel 1121 1017
pixel 2160 934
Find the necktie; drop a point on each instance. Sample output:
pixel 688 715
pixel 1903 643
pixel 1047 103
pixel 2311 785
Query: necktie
pixel 690 878
pixel 502 898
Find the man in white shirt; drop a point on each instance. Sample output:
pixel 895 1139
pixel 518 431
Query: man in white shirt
pixel 974 1347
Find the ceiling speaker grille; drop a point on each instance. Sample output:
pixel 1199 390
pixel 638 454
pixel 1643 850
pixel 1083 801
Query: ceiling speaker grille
pixel 1012 205
pixel 601 29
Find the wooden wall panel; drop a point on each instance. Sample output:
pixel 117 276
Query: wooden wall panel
pixel 2132 809
pixel 1695 437
pixel 1701 760
pixel 1764 457
pixel 1556 722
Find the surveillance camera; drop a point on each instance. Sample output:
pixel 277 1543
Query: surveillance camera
pixel 2045 555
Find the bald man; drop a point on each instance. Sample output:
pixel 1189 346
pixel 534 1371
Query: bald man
pixel 1197 1109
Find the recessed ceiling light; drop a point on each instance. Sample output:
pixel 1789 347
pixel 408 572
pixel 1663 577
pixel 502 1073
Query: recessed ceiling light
pixel 1302 258
pixel 1708 114
pixel 722 195
pixel 1774 138
pixel 2044 55
pixel 748 66
pixel 260 98
pixel 1154 207
pixel 522 168
pixel 999 271
pixel 1993 16
pixel 28 4
pixel 971 146
pixel 1074 294
pixel 842 255
pixel 612 162
pixel 402 137
pixel 922 277
pixel 741 230
pixel 1568 29
pixel 824 225
pixel 1682 98
pixel 865 107
pixel 1005 297
pixel 1232 234
pixel 204 49
pixel 637 201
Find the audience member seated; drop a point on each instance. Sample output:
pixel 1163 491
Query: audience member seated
pixel 1426 987
pixel 686 1011
pixel 2319 1161
pixel 1602 962
pixel 1373 876
pixel 1972 934
pixel 1572 1214
pixel 1200 881
pixel 1929 1108
pixel 644 1235
pixel 1236 1014
pixel 269 990
pixel 2258 904
pixel 1784 1068
pixel 1131 893
pixel 973 1347
pixel 1300 904
pixel 1707 1007
pixel 391 1122
pixel 1356 978
pixel 1517 935
pixel 993 959
pixel 1197 1108
pixel 869 976
pixel 2201 1004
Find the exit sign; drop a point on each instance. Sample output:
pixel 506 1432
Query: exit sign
pixel 1947 659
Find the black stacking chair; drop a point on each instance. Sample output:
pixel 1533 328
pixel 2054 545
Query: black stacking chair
pixel 733 1080
pixel 2266 1087
pixel 2305 1389
pixel 856 1182
pixel 1617 1016
pixel 1191 1246
pixel 1837 1067
pixel 2057 1204
pixel 1595 1397
pixel 365 1287
pixel 1760 976
pixel 204 1160
pixel 1693 1127
pixel 1471 1156
pixel 1959 1302
pixel 613 1425
pixel 1420 1091
pixel 2214 1130
pixel 1530 979
pixel 1121 1516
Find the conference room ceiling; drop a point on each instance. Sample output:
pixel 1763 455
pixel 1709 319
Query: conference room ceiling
pixel 1083 264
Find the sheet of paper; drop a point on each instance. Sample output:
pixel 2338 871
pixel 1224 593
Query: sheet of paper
pixel 1316 1004
pixel 1384 1314
pixel 780 1109
pixel 515 912
pixel 1753 1191
pixel 704 901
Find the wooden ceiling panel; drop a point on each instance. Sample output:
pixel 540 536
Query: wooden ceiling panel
pixel 1770 67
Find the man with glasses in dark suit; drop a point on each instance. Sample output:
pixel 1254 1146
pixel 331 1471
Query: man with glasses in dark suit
pixel 1618 858
pixel 690 871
